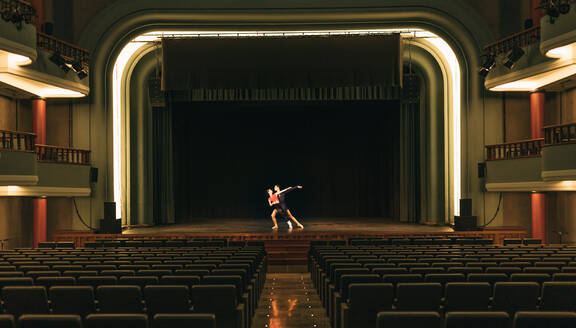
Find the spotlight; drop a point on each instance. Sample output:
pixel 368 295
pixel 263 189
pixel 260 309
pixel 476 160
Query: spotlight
pixel 513 57
pixel 78 68
pixel 487 65
pixel 57 59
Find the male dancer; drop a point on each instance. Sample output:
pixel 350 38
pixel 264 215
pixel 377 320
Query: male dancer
pixel 281 194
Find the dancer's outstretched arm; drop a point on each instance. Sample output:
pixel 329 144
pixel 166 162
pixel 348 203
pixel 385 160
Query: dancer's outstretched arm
pixel 289 189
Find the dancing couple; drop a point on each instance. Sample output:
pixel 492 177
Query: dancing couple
pixel 277 200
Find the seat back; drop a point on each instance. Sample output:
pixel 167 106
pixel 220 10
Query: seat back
pixel 419 296
pixel 467 296
pixel 167 299
pixel 195 320
pixel 20 300
pixel 477 319
pixel 7 321
pixel 119 299
pixel 559 296
pixel 50 321
pixel 116 321
pixel 72 300
pixel 544 319
pixel 408 319
pixel 347 279
pixel 516 296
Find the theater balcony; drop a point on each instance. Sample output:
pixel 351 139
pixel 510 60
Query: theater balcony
pixel 31 170
pixel 559 153
pixel 34 64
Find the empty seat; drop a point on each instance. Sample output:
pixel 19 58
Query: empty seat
pixel 50 321
pixel 20 300
pixel 516 296
pixel 444 278
pixel 220 300
pixel 409 319
pixel 55 281
pixel 400 278
pixel 535 277
pixel 119 299
pixel 138 280
pixel 564 277
pixel 96 281
pixel 491 278
pixel 365 300
pixel 72 300
pixel 544 319
pixel 195 320
pixel 419 296
pixel 7 321
pixel 167 299
pixel 180 280
pixel 467 296
pixel 477 320
pixel 559 296
pixel 116 321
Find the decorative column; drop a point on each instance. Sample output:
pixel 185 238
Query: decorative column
pixel 538 199
pixel 39 204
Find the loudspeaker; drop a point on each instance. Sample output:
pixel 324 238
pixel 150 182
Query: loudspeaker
pixel 466 207
pixel 465 223
pixel 110 226
pixel 481 169
pixel 93 174
pixel 109 211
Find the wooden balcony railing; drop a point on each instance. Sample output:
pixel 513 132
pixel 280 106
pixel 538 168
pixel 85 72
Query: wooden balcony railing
pixel 560 134
pixel 55 154
pixel 17 141
pixel 521 39
pixel 17 12
pixel 514 150
pixel 67 50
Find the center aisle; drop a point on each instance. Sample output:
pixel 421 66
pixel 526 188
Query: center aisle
pixel 289 301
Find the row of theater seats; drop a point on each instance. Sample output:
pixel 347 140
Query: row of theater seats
pixel 108 321
pixel 524 319
pixel 353 279
pixel 155 242
pixel 225 281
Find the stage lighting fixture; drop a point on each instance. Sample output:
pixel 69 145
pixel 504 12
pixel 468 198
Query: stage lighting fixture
pixel 79 69
pixel 487 65
pixel 513 57
pixel 564 8
pixel 57 59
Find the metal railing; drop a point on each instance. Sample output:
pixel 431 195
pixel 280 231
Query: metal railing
pixel 17 141
pixel 560 134
pixel 17 12
pixel 514 150
pixel 66 50
pixel 520 39
pixel 55 154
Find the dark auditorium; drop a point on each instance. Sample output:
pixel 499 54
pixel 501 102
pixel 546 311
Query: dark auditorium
pixel 288 164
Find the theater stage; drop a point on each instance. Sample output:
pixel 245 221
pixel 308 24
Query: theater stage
pixel 287 246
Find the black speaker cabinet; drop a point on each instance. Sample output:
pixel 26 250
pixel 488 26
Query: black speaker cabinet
pixel 465 207
pixel 465 223
pixel 110 226
pixel 93 174
pixel 109 210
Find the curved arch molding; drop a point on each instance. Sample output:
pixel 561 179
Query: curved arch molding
pixel 455 48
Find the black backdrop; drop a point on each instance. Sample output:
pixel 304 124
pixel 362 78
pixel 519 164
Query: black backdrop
pixel 344 154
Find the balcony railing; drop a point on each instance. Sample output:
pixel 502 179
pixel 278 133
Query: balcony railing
pixel 521 39
pixel 17 141
pixel 67 50
pixel 54 154
pixel 514 150
pixel 560 134
pixel 17 12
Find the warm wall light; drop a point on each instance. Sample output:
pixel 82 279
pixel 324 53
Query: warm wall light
pixel 538 77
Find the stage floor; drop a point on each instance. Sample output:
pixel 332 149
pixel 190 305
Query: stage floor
pixel 311 225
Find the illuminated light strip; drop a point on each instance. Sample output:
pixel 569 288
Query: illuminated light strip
pixel 441 46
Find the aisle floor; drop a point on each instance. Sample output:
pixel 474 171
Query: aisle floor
pixel 290 301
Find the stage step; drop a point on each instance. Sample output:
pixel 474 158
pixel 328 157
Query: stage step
pixel 284 252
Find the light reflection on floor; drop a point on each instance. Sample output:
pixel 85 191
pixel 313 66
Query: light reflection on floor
pixel 289 301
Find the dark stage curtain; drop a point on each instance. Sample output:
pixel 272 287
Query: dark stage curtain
pixel 343 67
pixel 163 172
pixel 345 154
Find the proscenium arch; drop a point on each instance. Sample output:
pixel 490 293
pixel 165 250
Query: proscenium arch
pixel 116 35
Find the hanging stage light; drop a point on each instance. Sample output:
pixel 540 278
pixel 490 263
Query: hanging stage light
pixel 513 57
pixel 487 65
pixel 57 59
pixel 79 69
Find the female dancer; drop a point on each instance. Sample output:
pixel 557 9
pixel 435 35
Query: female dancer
pixel 281 194
pixel 274 202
